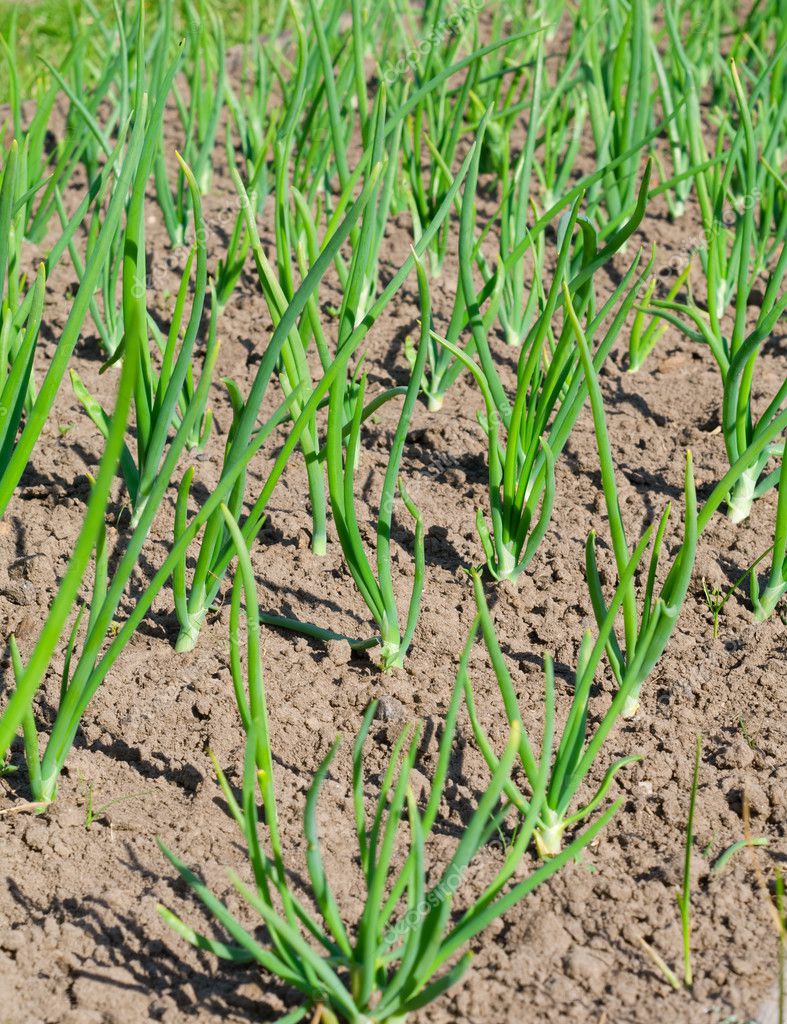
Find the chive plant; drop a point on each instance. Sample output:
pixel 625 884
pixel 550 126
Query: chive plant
pixel 645 635
pixel 734 256
pixel 402 952
pixel 550 386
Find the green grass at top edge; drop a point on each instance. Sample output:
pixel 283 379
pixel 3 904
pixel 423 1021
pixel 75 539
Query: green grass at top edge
pixel 44 28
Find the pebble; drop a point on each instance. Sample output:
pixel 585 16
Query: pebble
pixel 389 709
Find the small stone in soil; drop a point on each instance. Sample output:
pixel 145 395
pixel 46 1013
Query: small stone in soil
pixel 389 709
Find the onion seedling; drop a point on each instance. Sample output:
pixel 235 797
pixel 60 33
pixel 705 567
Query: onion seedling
pixel 102 633
pixel 677 130
pixel 442 367
pixel 18 343
pixel 550 388
pixel 377 591
pixel 33 158
pixel 159 398
pixel 90 211
pixel 619 93
pixel 644 636
pixel 726 856
pixel 20 317
pixel 732 259
pixel 504 283
pixel 644 336
pixel 215 554
pixel 402 952
pixel 433 131
pixel 311 91
pixel 230 266
pixel 278 290
pixel 579 746
pixel 777 908
pixel 212 560
pixel 251 106
pixel 520 294
pixel 199 112
pixel 106 315
pixel 85 138
pixel 765 601
pixel 91 538
pixel 684 896
pixel 16 460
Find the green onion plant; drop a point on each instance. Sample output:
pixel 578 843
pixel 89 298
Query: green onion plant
pixel 17 449
pixel 376 590
pixel 645 634
pixel 160 396
pixel 734 256
pixel 580 744
pixel 100 97
pixel 551 388
pixel 619 90
pixel 410 944
pixel 199 107
pixel 193 601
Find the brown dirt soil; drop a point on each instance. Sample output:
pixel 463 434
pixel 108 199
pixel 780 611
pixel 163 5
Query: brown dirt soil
pixel 80 939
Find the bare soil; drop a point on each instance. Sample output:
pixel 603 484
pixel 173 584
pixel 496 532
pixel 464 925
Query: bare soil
pixel 80 939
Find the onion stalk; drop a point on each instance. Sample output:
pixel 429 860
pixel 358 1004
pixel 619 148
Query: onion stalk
pixel 402 952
